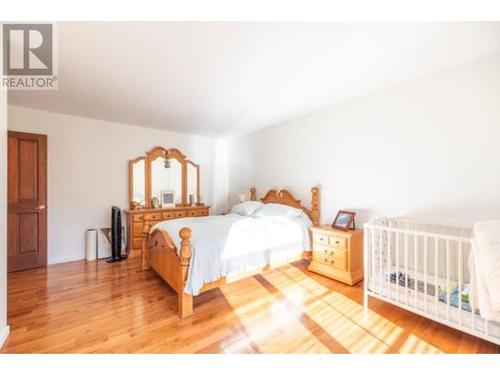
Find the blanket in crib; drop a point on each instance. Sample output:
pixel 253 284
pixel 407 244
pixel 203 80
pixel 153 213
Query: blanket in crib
pixel 487 236
pixel 455 294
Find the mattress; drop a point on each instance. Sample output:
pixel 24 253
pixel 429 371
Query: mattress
pixel 226 244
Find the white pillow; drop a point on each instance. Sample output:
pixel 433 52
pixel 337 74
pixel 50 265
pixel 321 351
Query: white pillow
pixel 276 209
pixel 246 208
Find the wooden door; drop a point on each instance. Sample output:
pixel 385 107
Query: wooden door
pixel 27 201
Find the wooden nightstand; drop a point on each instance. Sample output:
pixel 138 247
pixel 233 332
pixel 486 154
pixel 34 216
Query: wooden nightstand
pixel 337 254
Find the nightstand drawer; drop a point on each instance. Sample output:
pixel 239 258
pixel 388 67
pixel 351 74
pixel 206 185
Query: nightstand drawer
pixel 338 242
pixel 337 254
pixel 322 250
pixel 331 261
pixel 193 213
pixel 319 238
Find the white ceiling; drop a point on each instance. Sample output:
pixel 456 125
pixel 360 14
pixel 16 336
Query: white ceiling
pixel 224 79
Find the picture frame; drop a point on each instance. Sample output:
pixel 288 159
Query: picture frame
pixel 167 198
pixel 155 202
pixel 344 220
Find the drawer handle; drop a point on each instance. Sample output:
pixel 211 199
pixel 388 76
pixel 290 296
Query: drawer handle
pixel 337 242
pixel 332 253
pixel 326 251
pixel 326 259
pixel 332 261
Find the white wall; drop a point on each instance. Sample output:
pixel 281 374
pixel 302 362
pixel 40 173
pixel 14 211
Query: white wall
pixel 428 148
pixel 88 171
pixel 3 210
pixel 220 178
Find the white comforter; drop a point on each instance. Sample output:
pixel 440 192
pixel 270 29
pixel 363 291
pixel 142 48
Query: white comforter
pixel 232 243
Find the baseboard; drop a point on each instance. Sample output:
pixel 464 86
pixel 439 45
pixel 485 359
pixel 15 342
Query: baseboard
pixel 4 332
pixel 64 260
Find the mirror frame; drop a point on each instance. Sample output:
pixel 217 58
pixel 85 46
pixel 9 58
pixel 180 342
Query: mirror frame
pixel 197 166
pixel 131 182
pixel 153 154
pixel 173 153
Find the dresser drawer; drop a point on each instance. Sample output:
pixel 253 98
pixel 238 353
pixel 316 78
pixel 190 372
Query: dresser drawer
pixel 193 213
pixel 168 215
pixel 180 214
pixel 138 217
pixel 203 212
pixel 137 243
pixel 330 261
pixel 338 242
pixel 138 229
pixel 153 216
pixel 322 250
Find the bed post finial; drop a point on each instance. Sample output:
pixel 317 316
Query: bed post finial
pixel 315 205
pixel 253 194
pixel 185 253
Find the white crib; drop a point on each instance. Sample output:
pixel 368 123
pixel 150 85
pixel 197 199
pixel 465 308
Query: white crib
pixel 421 268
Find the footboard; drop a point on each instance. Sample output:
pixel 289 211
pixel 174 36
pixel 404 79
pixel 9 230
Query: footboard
pixel 160 253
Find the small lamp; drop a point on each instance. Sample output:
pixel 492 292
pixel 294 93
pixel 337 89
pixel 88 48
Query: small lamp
pixel 243 198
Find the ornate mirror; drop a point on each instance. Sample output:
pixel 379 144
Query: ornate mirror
pixel 166 175
pixel 163 178
pixel 193 182
pixel 137 182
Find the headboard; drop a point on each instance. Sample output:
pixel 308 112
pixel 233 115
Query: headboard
pixel 285 197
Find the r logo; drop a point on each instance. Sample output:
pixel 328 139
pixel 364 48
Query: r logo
pixel 28 49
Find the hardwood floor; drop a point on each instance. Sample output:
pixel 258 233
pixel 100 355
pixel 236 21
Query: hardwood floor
pixel 98 307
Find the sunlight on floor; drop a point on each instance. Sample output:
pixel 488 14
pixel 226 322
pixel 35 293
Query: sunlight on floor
pixel 243 346
pixel 291 306
pixel 348 334
pixel 378 326
pixel 270 324
pixel 415 345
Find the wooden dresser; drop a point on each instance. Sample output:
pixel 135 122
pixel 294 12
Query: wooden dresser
pixel 135 220
pixel 337 254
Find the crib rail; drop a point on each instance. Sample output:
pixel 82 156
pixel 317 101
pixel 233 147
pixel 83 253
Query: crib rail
pixel 424 269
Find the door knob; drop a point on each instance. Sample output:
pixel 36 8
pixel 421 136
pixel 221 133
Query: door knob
pixel 41 207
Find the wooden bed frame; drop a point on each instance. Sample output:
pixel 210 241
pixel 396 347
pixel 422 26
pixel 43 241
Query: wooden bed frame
pixel 160 253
